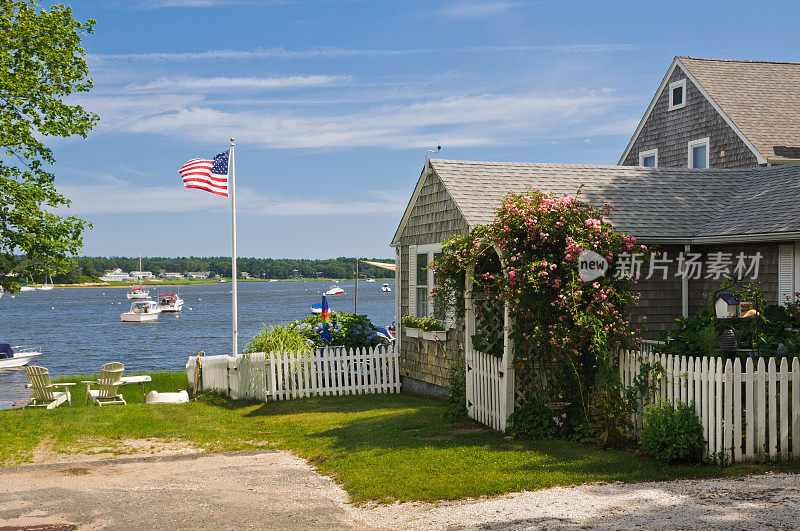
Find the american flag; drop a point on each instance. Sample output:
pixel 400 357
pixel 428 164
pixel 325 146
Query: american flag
pixel 208 175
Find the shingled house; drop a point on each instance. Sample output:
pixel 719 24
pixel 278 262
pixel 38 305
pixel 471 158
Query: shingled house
pixel 711 113
pixel 748 212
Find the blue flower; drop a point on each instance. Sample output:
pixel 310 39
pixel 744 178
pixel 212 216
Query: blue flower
pixel 358 327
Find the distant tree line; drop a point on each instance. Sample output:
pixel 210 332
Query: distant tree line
pixel 89 268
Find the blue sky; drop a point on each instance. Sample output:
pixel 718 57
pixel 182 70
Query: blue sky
pixel 335 103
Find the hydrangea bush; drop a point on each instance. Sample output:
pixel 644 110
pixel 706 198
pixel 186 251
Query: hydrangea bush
pixel 348 330
pixel 528 257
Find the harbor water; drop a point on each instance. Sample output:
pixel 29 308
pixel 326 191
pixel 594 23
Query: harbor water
pixel 79 329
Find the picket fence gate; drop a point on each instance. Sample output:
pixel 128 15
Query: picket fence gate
pixel 486 390
pixel 749 412
pixel 286 375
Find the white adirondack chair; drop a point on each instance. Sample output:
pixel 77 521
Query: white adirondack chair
pixel 44 394
pixel 106 393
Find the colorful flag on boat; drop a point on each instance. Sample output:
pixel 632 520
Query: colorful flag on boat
pixel 325 334
pixel 208 175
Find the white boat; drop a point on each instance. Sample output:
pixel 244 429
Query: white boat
pixel 27 288
pixel 170 302
pixel 11 357
pixel 334 290
pixel 386 287
pixel 141 311
pixel 137 293
pixel 370 280
pixel 46 287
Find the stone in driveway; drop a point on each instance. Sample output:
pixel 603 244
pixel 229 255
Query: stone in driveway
pixel 235 490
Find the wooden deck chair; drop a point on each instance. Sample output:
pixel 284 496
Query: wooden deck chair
pixel 44 393
pixel 106 393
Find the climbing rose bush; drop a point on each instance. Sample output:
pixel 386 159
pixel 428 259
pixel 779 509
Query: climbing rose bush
pixel 558 319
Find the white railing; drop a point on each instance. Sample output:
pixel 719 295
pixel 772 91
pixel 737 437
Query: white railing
pixel 485 389
pixel 285 375
pixel 749 411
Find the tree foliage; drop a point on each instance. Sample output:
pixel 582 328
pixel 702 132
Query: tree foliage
pixel 41 63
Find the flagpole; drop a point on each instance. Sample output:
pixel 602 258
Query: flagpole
pixel 232 180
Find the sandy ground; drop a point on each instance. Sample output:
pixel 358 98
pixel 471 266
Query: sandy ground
pixel 276 490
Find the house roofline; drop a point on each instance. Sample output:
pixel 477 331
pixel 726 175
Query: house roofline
pixel 733 238
pixel 761 159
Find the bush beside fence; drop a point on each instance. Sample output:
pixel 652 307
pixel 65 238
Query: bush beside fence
pixel 749 411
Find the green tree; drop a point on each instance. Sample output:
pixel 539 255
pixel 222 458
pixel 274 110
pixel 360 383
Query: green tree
pixel 41 63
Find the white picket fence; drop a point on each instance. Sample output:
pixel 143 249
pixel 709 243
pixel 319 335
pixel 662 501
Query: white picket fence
pixel 748 413
pixel 485 390
pixel 286 375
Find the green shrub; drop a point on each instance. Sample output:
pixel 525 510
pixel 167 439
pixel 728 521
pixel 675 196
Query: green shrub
pixel 532 422
pixel 348 330
pixel 456 410
pixel 277 339
pixel 672 433
pixel 428 324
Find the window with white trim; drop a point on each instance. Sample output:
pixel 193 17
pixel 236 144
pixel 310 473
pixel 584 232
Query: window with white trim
pixel 677 94
pixel 421 279
pixel 649 158
pixel 699 153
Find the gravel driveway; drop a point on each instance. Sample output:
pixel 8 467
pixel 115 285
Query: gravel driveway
pixel 276 490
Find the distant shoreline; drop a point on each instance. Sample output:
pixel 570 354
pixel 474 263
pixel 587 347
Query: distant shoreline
pixel 186 282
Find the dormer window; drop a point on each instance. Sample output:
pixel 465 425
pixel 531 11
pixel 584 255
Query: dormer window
pixel 649 158
pixel 677 94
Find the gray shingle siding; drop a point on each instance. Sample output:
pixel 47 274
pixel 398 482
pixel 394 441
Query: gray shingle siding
pixel 433 219
pixel 671 131
pixel 661 299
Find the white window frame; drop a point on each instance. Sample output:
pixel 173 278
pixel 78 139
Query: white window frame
pixel 430 250
pixel 672 86
pixel 693 144
pixel 648 153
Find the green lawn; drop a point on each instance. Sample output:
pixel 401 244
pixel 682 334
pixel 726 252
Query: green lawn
pixel 378 447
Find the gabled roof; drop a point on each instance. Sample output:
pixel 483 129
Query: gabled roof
pixel 760 101
pixel 653 204
pixel 762 98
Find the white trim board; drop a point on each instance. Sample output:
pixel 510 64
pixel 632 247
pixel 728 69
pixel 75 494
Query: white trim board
pixel 672 87
pixel 675 64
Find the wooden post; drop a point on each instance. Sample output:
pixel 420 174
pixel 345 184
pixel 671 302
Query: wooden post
pixel 507 367
pixel 469 330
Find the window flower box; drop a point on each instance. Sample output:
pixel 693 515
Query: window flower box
pixel 434 335
pixel 413 332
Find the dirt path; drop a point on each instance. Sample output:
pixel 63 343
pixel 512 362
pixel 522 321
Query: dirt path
pixel 276 490
pixel 240 490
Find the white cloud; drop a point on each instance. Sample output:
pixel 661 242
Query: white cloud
pixel 283 53
pixel 473 10
pixel 208 84
pixel 455 121
pixel 104 195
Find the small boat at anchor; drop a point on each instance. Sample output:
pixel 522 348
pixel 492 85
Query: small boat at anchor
pixel 137 293
pixel 141 311
pixel 18 356
pixel 170 302
pixel 334 290
pixel 386 287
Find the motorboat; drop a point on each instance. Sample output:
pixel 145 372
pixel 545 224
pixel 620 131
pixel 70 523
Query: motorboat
pixel 316 308
pixel 370 280
pixel 11 357
pixel 386 287
pixel 334 290
pixel 170 302
pixel 46 287
pixel 27 288
pixel 141 311
pixel 138 293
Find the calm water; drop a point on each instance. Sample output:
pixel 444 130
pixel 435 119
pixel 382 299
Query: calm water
pixel 78 330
